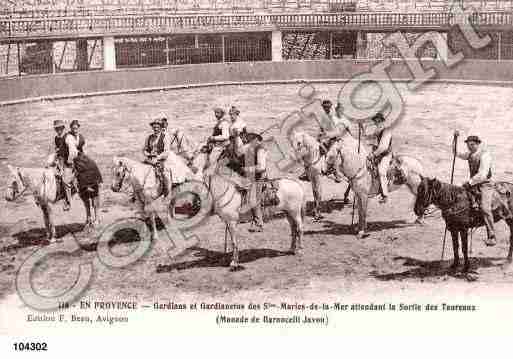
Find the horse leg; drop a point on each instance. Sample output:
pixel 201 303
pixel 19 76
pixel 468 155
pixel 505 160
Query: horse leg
pixel 296 231
pixel 346 194
pixel 233 235
pixel 96 206
pixel 87 206
pixel 362 214
pixel 46 219
pixel 153 223
pixel 455 249
pixel 464 249
pixel 510 252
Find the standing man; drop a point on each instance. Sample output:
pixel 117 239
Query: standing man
pixel 480 165
pixel 382 152
pixel 308 150
pixel 255 169
pixel 220 137
pixel 156 151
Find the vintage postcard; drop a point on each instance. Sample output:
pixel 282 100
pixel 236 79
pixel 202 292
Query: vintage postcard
pixel 201 167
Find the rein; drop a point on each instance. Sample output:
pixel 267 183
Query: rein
pixel 358 174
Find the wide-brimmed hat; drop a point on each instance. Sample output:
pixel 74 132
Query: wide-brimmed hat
pixel 327 103
pixel 58 123
pixel 73 123
pixel 156 122
pixel 219 109
pixel 234 110
pixel 473 139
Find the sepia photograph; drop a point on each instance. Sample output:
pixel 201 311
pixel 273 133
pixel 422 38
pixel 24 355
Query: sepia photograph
pixel 245 167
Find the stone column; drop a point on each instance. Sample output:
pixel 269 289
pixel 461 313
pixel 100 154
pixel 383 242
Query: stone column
pixel 109 54
pixel 276 46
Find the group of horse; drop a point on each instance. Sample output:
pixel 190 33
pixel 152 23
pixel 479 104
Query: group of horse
pixel 291 197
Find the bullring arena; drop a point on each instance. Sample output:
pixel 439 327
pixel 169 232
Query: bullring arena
pixel 99 75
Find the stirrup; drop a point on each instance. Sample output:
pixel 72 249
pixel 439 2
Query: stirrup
pixel 490 241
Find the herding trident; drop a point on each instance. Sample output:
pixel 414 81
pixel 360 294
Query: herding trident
pixel 454 148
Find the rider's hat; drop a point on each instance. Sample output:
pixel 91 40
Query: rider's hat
pixel 156 122
pixel 58 124
pixel 74 123
pixel 234 110
pixel 327 103
pixel 473 139
pixel 220 110
pixel 378 117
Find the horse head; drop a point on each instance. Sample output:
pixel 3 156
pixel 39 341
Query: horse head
pixel 16 187
pixel 426 193
pixel 396 174
pixel 120 171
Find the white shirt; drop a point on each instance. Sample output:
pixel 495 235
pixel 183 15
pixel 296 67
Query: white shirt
pixel 485 164
pixel 72 143
pixel 237 124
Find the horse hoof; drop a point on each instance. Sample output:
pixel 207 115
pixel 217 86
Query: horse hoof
pixel 454 267
pixel 362 234
pixel 234 266
pixel 296 251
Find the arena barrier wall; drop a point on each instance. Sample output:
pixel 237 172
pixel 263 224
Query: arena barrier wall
pixel 82 84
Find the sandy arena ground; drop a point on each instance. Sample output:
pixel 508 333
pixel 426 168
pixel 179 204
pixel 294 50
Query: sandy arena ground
pixel 395 258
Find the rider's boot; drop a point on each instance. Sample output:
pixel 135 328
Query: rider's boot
pixel 490 238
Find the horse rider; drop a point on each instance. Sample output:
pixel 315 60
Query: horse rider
pixel 339 127
pixel 237 124
pixel 254 156
pixel 309 152
pixel 75 144
pixel 381 152
pixel 220 137
pixel 156 152
pixel 480 164
pixel 60 159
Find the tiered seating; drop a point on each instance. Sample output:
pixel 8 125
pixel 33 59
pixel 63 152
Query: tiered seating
pixel 182 6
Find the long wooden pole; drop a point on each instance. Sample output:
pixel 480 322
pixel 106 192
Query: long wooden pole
pixel 455 146
pixel 354 196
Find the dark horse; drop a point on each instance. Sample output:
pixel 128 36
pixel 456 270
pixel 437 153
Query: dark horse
pixel 459 214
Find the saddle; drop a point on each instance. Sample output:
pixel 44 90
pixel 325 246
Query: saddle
pixel 158 169
pixel 268 193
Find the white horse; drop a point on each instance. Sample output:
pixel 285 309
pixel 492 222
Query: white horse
pixel 406 170
pixel 42 184
pixel 147 187
pixel 354 165
pixel 228 203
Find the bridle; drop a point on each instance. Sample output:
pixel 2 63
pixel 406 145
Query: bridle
pixel 125 172
pixel 15 195
pixel 358 173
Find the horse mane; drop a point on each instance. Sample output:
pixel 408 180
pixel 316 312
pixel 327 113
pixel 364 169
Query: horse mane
pixel 445 192
pixel 128 162
pixel 413 163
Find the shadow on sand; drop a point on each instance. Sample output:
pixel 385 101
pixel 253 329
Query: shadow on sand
pixel 335 228
pixel 209 259
pixel 431 269
pixel 37 236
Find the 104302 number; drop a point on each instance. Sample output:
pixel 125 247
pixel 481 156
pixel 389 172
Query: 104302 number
pixel 20 347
